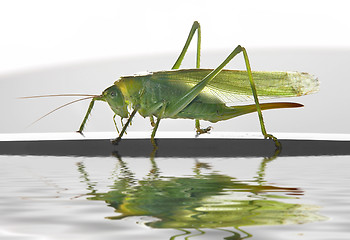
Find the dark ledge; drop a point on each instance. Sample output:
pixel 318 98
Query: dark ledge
pixel 176 148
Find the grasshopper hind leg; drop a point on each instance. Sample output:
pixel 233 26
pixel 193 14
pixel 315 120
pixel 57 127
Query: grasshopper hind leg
pixel 195 28
pixel 255 95
pixel 196 89
pixel 200 130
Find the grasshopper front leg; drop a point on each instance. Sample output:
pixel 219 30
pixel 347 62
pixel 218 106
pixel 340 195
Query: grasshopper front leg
pixel 91 105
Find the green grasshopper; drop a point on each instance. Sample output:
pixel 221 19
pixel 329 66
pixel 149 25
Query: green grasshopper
pixel 201 94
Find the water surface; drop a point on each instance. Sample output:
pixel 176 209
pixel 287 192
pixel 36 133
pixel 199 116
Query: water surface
pixel 174 197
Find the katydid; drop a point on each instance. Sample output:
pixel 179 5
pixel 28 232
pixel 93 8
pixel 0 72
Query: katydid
pixel 201 94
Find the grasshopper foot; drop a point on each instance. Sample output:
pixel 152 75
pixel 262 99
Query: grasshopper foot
pixel 116 141
pixel 81 133
pixel 277 143
pixel 200 131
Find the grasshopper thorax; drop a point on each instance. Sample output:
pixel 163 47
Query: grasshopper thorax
pixel 115 99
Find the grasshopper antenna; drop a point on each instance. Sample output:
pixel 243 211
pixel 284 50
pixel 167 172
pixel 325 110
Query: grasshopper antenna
pixel 60 95
pixel 87 96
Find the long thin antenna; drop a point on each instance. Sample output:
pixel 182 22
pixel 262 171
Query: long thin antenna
pixel 64 105
pixel 60 95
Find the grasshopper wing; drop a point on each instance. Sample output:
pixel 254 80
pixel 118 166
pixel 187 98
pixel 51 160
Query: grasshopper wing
pixel 232 86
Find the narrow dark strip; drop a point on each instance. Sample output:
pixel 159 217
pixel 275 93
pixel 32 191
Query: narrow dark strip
pixel 176 148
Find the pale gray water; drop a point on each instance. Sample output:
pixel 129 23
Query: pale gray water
pixel 64 197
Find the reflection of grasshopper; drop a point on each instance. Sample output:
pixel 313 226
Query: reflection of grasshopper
pixel 202 201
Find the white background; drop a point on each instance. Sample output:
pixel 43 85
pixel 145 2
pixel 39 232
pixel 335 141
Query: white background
pixel 40 32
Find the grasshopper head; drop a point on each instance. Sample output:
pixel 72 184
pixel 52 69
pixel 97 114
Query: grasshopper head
pixel 115 99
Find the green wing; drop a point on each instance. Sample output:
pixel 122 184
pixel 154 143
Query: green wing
pixel 232 86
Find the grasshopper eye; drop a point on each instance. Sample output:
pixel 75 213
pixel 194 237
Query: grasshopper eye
pixel 112 94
